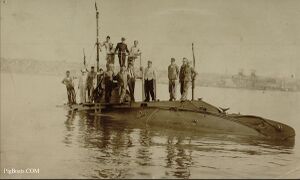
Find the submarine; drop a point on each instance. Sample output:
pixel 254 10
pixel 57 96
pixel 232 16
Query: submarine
pixel 197 115
pixel 191 115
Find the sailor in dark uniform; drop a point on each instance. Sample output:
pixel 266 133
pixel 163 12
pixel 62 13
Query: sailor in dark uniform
pixel 121 48
pixel 181 75
pixel 131 80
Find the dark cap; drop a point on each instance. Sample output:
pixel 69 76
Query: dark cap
pixel 92 67
pixel 172 59
pixel 123 39
pixel 150 62
pixel 108 37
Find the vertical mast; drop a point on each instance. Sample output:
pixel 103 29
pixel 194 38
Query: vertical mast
pixel 84 60
pixel 193 80
pixel 97 42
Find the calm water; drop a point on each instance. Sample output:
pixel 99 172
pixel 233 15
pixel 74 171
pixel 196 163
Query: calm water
pixel 37 134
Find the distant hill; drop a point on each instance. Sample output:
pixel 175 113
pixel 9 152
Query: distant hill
pixel 38 67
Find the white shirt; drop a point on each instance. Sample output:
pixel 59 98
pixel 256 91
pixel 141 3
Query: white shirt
pixel 108 46
pixel 149 74
pixel 134 51
pixel 131 72
pixel 82 81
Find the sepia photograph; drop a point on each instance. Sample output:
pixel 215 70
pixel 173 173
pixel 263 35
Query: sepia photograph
pixel 150 89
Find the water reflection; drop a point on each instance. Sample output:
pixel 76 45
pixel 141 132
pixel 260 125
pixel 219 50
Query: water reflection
pixel 178 157
pixel 119 150
pixel 143 157
pixel 69 127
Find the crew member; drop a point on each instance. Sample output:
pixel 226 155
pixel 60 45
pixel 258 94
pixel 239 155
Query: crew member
pixel 122 78
pixel 173 72
pixel 68 81
pixel 189 75
pixel 134 53
pixel 121 48
pixel 150 77
pixel 181 75
pixel 82 87
pixel 108 81
pixel 98 92
pixel 90 83
pixel 109 47
pixel 131 81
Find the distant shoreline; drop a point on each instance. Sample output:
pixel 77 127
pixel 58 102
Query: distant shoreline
pixel 160 82
pixel 58 68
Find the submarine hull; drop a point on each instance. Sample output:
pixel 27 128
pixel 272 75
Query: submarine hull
pixel 190 116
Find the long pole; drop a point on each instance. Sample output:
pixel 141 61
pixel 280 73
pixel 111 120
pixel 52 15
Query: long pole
pixel 84 60
pixel 97 42
pixel 143 79
pixel 193 80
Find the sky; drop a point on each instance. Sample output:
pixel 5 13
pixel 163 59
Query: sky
pixel 228 35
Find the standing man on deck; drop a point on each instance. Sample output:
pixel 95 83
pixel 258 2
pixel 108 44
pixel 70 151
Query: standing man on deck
pixel 121 48
pixel 173 72
pixel 108 82
pixel 131 81
pixel 82 87
pixel 189 75
pixel 68 81
pixel 99 90
pixel 122 78
pixel 181 75
pixel 110 57
pixel 134 53
pixel 90 83
pixel 150 76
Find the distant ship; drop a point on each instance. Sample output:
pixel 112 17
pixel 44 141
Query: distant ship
pixel 253 81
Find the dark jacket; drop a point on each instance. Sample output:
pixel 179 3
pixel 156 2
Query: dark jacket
pixel 121 48
pixel 181 73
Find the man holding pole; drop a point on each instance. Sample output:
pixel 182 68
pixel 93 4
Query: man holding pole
pixel 189 75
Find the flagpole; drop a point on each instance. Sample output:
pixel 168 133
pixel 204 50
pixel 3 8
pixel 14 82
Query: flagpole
pixel 97 29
